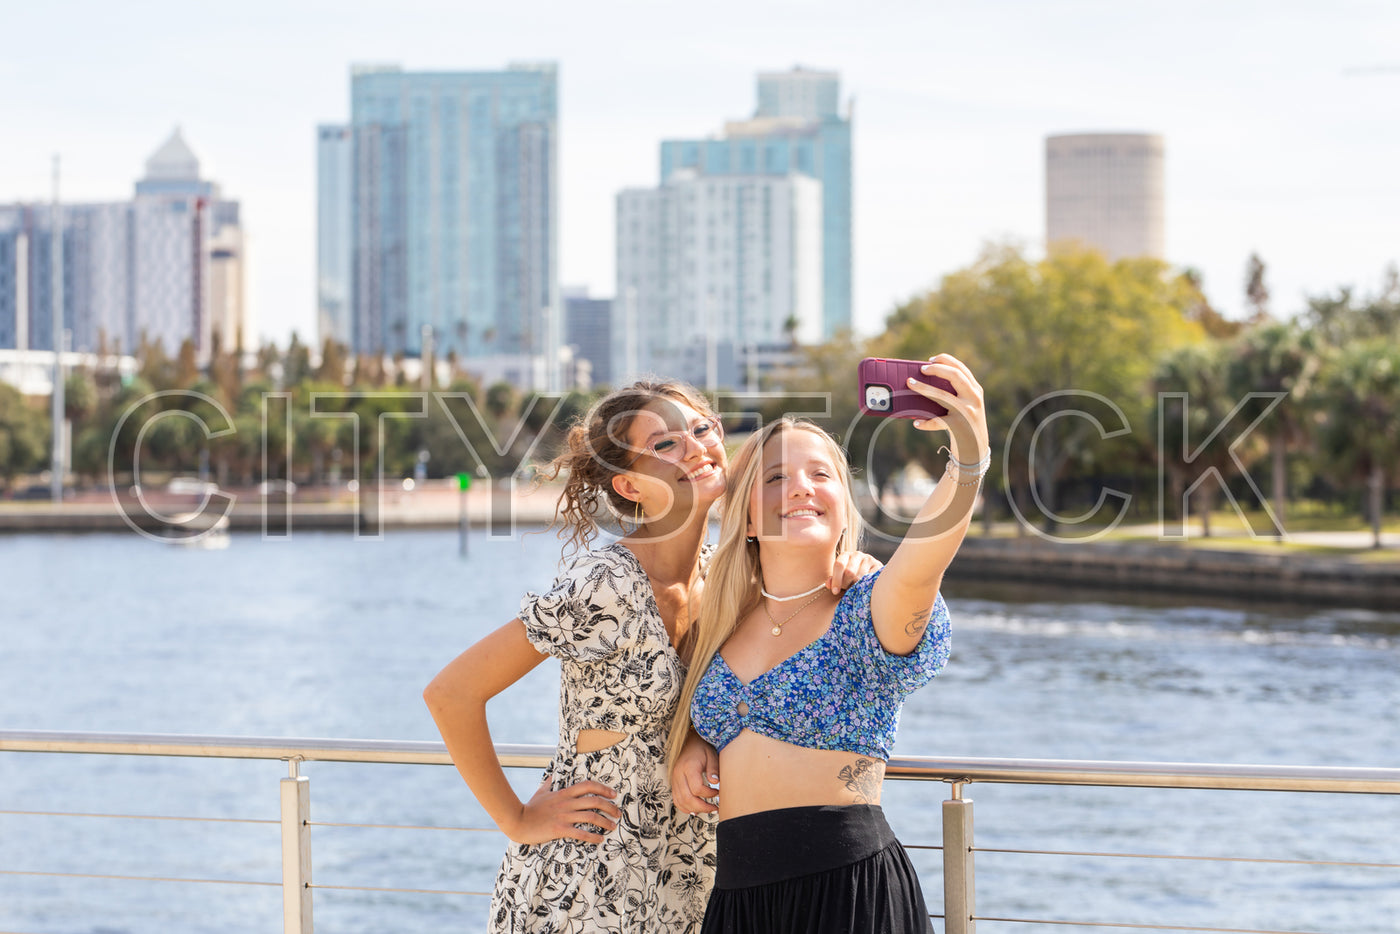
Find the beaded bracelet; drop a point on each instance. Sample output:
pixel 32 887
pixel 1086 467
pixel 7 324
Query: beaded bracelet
pixel 976 471
pixel 972 481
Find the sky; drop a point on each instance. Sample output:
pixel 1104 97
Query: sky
pixel 1281 119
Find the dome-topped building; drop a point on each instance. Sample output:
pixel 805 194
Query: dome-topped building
pixel 173 169
pixel 174 159
pixel 165 266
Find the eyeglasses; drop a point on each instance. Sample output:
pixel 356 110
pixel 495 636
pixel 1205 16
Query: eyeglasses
pixel 670 446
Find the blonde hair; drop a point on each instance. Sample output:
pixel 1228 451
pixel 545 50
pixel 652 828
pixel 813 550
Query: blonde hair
pixel 732 582
pixel 596 450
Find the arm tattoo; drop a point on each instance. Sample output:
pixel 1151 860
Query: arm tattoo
pixel 863 779
pixel 917 622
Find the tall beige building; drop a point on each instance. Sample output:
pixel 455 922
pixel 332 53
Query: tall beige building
pixel 1105 190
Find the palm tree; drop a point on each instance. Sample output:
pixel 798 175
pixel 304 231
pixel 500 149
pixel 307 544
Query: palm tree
pixel 1256 290
pixel 1277 358
pixel 1360 434
pixel 1201 372
pixel 790 327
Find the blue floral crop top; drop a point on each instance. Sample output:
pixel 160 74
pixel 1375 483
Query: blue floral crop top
pixel 843 691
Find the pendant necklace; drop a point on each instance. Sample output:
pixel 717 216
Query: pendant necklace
pixel 777 629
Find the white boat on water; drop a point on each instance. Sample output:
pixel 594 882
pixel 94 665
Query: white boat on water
pixel 214 536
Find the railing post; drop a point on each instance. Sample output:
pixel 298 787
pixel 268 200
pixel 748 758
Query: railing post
pixel 296 852
pixel 959 890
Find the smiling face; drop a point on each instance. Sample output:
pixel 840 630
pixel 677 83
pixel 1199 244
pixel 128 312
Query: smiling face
pixel 680 454
pixel 799 495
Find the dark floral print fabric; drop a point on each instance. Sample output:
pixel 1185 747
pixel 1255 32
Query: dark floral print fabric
pixel 618 671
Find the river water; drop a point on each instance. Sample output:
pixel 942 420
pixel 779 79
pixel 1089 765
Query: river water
pixel 327 635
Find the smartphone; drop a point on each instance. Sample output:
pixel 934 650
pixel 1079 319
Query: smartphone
pixel 885 392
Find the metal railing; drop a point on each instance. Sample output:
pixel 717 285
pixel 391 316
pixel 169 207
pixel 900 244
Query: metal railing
pixel 958 849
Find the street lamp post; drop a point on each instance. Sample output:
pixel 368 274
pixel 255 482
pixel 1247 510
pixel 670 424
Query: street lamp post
pixel 57 464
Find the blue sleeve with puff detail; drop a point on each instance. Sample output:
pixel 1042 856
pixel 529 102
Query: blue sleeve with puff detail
pixel 893 674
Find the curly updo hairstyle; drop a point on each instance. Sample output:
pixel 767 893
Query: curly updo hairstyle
pixel 596 450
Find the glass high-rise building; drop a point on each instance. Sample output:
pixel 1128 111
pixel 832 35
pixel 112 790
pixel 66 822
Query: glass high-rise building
pixel 589 331
pixel 798 128
pixel 335 231
pixel 451 181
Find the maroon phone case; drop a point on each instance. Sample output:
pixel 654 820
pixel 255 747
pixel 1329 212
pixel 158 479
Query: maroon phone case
pixel 894 376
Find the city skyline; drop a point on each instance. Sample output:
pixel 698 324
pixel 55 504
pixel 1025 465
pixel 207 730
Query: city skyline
pixel 1278 119
pixel 800 125
pixel 164 265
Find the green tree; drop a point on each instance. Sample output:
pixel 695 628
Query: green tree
pixel 156 369
pixel 111 435
pixel 790 328
pixel 186 365
pixel 1340 317
pixel 1199 309
pixel 333 361
pixel 1202 373
pixel 1360 434
pixel 296 363
pixel 269 360
pixel 79 396
pixel 226 370
pixel 1046 339
pixel 1277 358
pixel 23 435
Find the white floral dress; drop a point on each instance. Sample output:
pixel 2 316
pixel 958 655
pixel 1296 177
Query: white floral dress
pixel 618 671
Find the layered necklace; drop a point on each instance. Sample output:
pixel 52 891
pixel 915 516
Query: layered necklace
pixel 812 595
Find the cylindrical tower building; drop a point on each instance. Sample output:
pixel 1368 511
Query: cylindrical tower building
pixel 1105 190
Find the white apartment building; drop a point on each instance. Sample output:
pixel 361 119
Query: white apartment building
pixel 711 268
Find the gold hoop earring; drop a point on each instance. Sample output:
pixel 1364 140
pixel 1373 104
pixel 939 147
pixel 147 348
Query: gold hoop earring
pixel 637 516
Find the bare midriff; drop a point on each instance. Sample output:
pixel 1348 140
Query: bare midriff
pixel 758 773
pixel 593 740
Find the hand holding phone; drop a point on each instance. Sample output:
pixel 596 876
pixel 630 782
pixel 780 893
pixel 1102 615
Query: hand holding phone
pixel 885 392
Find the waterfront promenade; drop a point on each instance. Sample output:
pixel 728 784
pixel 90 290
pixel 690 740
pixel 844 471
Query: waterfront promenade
pixel 1328 568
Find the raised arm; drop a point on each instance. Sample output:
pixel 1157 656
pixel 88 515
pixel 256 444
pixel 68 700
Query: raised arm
pixel 457 698
pixel 904 595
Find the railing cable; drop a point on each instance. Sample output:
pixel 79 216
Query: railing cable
pixel 1208 859
pixel 371 888
pixel 92 875
pixel 1130 925
pixel 211 820
pixel 323 823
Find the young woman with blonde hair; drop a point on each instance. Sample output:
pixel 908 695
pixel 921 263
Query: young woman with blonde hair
pixel 801 691
pixel 600 847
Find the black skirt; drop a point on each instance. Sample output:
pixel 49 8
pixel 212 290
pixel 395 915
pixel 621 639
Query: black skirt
pixel 814 870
